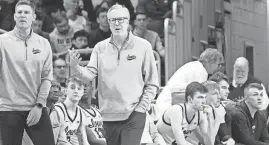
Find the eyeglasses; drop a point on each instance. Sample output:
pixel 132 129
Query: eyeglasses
pixel 60 66
pixel 120 20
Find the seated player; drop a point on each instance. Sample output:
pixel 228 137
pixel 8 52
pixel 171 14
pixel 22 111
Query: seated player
pixel 94 120
pixel 67 117
pixel 181 120
pixel 214 97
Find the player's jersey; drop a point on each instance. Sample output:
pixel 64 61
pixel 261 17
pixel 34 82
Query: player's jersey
pixel 71 124
pixel 165 128
pixel 94 121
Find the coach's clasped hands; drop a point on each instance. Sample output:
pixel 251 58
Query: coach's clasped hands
pixel 74 58
pixel 34 116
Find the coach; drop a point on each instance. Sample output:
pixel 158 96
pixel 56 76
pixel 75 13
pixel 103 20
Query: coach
pixel 127 79
pixel 25 80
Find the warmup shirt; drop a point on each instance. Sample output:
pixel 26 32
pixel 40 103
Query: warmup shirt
pixel 60 42
pixel 165 129
pixel 64 126
pixel 23 67
pixel 94 121
pixel 127 76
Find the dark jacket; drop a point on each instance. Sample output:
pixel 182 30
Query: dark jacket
pixel 237 92
pixel 247 130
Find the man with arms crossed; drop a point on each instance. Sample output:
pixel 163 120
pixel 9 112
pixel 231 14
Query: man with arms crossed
pixel 127 79
pixel 25 80
pixel 181 120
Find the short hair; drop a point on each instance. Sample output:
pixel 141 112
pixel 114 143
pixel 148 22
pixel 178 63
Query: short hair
pixel 252 85
pixel 218 76
pixel 140 11
pixel 211 86
pixel 26 2
pixel 211 55
pixel 60 19
pixel 54 59
pixel 118 6
pixel 80 33
pixel 101 10
pixel 75 79
pixel 194 87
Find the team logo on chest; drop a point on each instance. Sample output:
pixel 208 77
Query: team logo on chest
pixel 35 51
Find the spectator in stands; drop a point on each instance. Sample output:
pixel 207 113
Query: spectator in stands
pixel 37 26
pixel 150 134
pixel 193 71
pixel 94 123
pixel 181 121
pixel 80 41
pixel 60 71
pixel 223 83
pixel 25 80
pixel 214 98
pixel 121 59
pixel 61 36
pixel 52 12
pixel 140 29
pixel 248 122
pixel 76 21
pixel 70 130
pixel 88 7
pixel 157 11
pixel 241 79
pixel 47 25
pixel 103 32
pixel 6 14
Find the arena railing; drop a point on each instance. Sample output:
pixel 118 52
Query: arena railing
pixel 178 37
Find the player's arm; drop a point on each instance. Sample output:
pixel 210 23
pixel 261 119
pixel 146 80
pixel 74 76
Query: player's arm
pixel 155 135
pixel 175 116
pixel 204 130
pixel 57 122
pixel 93 139
pixel 209 126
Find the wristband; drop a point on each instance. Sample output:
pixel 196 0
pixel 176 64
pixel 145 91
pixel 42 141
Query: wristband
pixel 200 143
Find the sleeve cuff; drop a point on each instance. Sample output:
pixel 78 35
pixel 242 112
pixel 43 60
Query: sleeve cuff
pixel 41 101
